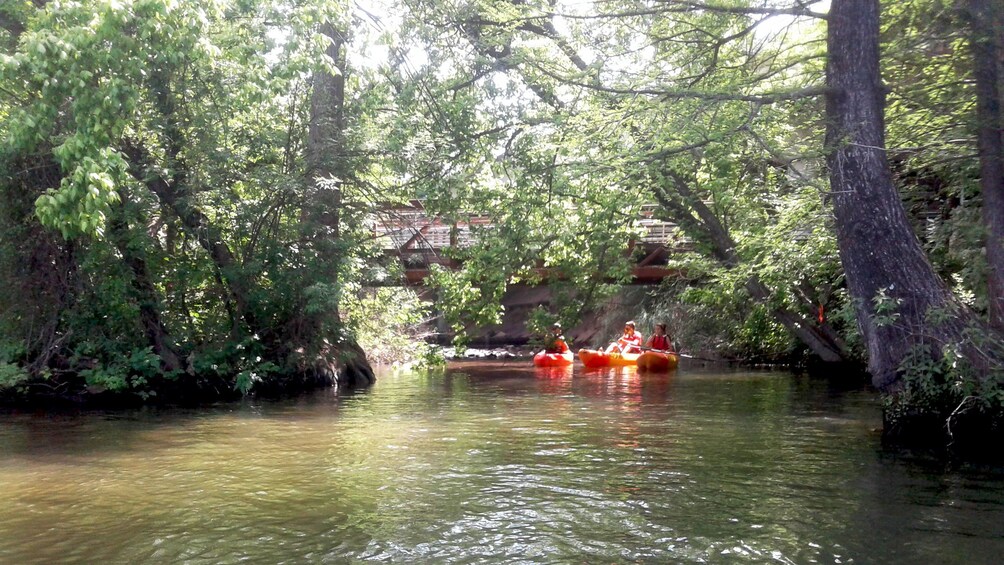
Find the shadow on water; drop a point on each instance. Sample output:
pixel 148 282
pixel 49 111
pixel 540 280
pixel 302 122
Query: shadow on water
pixel 63 434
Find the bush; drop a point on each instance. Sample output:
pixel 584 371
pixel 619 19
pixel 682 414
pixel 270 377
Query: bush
pixel 942 392
pixel 11 375
pixel 392 325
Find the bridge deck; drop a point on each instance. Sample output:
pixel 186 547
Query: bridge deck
pixel 417 240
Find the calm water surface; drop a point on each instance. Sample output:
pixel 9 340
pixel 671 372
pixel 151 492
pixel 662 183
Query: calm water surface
pixel 495 464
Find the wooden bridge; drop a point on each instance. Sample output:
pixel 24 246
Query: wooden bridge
pixel 418 240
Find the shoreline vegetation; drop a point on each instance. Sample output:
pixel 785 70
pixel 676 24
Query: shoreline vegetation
pixel 923 433
pixel 194 391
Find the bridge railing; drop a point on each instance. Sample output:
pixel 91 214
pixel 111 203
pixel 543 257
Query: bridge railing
pixel 417 239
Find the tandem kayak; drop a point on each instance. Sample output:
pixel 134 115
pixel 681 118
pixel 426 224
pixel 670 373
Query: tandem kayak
pixel 544 359
pixel 593 358
pixel 657 361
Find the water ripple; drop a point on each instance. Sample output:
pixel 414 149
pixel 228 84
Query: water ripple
pixel 479 467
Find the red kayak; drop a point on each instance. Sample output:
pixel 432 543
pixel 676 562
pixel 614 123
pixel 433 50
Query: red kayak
pixel 544 359
pixel 658 361
pixel 593 358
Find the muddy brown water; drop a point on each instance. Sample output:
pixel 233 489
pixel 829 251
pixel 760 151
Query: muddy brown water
pixel 495 463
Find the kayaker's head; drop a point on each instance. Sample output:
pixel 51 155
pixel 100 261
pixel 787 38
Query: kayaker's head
pixel 556 328
pixel 660 329
pixel 629 328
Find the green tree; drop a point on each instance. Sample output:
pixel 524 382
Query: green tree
pixel 166 144
pixel 986 41
pixel 901 303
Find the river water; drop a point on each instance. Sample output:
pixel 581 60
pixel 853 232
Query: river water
pixel 495 463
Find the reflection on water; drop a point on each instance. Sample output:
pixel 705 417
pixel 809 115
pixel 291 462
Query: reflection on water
pixel 494 463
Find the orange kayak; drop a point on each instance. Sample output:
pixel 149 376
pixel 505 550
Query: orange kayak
pixel 657 361
pixel 594 358
pixel 544 359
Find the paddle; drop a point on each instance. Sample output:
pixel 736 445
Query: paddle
pixel 678 354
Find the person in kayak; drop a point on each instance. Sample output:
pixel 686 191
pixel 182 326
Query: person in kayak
pixel 630 342
pixel 659 340
pixel 555 342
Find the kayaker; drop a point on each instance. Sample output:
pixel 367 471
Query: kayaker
pixel 555 342
pixel 630 342
pixel 659 340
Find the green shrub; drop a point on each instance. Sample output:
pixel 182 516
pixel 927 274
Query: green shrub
pixel 132 371
pixel 942 389
pixel 11 375
pixel 391 325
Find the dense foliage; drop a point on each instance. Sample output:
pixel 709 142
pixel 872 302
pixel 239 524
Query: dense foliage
pixel 155 194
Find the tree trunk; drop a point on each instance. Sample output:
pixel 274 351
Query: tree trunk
pixel 326 142
pixel 985 19
pixel 146 296
pixel 327 170
pixel 881 255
